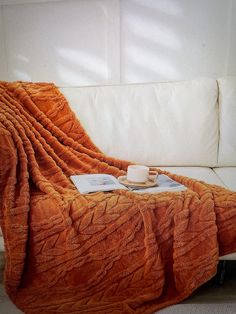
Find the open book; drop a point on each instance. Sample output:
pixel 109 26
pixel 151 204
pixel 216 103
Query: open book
pixel 87 183
pixel 165 184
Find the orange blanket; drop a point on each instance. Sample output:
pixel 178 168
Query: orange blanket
pixel 113 252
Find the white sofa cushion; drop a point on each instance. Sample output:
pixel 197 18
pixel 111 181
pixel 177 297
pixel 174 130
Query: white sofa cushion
pixel 228 176
pixel 1 242
pixel 200 173
pixel 229 257
pixel 165 124
pixel 227 120
pixel 2 250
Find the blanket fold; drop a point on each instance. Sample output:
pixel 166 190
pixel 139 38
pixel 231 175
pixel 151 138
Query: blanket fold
pixel 112 252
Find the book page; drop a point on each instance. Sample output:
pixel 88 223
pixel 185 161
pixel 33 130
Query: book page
pixel 87 183
pixel 165 183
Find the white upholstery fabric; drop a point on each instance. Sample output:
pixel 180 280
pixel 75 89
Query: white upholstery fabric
pixel 169 124
pixel 2 250
pixel 227 120
pixel 200 173
pixel 228 176
pixel 229 257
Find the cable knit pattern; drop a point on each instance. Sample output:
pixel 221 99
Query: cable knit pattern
pixel 112 252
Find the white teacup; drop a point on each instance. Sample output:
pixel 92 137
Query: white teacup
pixel 140 174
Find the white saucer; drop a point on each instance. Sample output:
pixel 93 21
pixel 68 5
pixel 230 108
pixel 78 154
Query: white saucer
pixel 123 180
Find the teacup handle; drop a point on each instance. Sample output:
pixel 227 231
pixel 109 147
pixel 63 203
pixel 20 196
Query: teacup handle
pixel 153 174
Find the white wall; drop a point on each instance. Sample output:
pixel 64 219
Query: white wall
pixel 231 46
pixel 3 59
pixel 173 39
pixel 87 42
pixel 68 42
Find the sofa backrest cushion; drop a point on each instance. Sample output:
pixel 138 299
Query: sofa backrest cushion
pixel 227 121
pixel 163 124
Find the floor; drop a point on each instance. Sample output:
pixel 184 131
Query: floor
pixel 211 298
pixel 213 292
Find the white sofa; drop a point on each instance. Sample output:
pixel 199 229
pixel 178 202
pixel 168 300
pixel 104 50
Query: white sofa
pixel 186 127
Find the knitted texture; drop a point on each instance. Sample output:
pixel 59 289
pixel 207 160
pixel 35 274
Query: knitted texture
pixel 112 252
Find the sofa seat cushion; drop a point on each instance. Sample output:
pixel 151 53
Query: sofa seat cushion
pixel 227 176
pixel 2 249
pixel 229 257
pixel 1 242
pixel 199 173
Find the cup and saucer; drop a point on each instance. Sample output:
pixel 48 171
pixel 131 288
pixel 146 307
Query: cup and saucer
pixel 139 176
